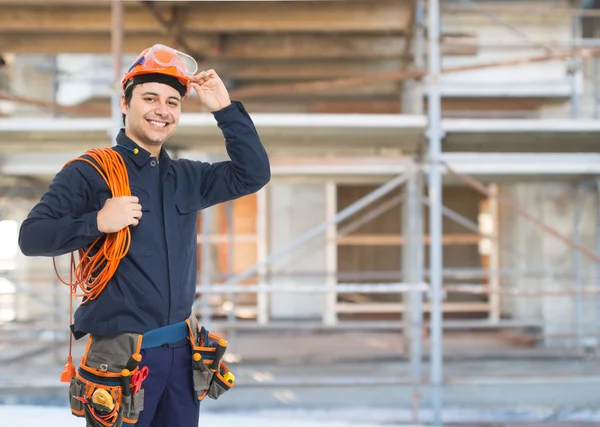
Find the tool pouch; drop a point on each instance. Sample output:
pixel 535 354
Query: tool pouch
pixel 100 368
pixel 207 382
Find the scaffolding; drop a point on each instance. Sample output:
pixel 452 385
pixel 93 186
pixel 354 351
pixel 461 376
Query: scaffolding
pixel 422 284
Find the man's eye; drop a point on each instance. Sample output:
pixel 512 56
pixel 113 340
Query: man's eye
pixel 173 104
pixel 149 99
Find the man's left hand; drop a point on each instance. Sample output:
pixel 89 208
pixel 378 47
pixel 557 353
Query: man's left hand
pixel 211 90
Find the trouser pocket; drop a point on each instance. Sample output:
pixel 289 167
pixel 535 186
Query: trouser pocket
pixel 211 375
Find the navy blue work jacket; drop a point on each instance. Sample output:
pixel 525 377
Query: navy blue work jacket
pixel 155 282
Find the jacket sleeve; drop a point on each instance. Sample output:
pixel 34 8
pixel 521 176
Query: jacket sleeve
pixel 248 169
pixel 59 223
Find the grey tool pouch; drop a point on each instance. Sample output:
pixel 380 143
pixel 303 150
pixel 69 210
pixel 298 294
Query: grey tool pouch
pixel 208 382
pixel 101 368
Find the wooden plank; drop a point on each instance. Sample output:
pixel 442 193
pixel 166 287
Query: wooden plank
pixel 228 47
pixel 302 69
pixel 355 16
pixel 94 43
pixel 351 106
pixel 395 240
pixel 312 46
pixel 374 89
pixel 215 16
pixel 384 307
pixel 284 46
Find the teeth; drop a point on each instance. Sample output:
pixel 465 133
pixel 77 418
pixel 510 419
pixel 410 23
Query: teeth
pixel 159 124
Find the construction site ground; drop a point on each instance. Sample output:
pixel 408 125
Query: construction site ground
pixel 348 377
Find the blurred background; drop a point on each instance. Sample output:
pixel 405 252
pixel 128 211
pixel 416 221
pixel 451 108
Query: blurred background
pixel 427 251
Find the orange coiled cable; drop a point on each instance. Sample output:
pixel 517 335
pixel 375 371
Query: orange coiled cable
pixel 93 272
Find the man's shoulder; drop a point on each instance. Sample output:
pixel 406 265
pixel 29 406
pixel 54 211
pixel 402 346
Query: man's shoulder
pixel 84 167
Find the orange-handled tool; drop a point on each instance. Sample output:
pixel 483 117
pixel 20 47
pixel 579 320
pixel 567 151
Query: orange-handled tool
pixel 219 352
pixel 133 362
pixel 199 362
pixel 126 382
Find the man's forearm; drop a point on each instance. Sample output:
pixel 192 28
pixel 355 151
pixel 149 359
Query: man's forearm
pixel 243 144
pixel 55 237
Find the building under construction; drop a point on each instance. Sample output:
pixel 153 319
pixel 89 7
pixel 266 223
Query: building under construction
pixel 435 187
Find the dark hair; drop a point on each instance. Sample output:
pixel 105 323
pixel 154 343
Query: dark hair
pixel 128 94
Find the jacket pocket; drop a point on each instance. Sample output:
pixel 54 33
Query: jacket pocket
pixel 187 220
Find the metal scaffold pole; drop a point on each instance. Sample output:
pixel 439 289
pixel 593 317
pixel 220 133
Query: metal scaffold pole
pixel 435 208
pixel 413 272
pixel 117 55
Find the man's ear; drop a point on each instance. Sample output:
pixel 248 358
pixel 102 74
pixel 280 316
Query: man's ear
pixel 124 106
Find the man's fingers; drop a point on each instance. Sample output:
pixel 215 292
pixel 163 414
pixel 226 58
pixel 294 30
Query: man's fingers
pixel 137 214
pixel 136 207
pixel 134 222
pixel 202 76
pixel 133 199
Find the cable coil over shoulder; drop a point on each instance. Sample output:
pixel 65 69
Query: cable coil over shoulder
pixel 93 272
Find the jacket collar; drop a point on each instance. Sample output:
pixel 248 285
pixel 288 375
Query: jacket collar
pixel 136 153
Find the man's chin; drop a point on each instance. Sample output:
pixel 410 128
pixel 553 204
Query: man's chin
pixel 155 138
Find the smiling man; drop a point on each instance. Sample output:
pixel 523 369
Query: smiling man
pixel 152 291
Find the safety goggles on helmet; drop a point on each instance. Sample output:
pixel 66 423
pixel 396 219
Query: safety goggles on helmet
pixel 164 57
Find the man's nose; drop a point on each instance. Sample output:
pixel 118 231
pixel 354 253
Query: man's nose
pixel 161 109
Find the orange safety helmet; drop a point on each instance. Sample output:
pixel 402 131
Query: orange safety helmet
pixel 161 59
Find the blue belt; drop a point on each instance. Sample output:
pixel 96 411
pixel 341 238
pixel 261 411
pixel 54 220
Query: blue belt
pixel 169 334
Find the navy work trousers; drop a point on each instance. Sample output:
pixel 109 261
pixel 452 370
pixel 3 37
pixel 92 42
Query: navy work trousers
pixel 169 398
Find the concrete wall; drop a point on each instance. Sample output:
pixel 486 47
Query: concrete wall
pixel 31 76
pixel 551 262
pixel 533 79
pixel 295 208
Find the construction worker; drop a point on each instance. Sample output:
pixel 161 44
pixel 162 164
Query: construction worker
pixel 152 291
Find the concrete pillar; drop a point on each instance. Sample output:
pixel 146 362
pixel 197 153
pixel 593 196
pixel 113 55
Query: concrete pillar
pixel 31 76
pixel 549 261
pixel 294 208
pixel 6 60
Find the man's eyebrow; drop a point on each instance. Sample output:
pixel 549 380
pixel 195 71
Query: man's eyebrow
pixel 156 94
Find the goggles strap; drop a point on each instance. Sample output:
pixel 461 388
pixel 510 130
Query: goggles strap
pixel 139 61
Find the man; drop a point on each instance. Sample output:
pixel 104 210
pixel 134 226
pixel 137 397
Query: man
pixel 153 287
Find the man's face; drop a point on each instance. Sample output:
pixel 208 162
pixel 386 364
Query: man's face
pixel 153 113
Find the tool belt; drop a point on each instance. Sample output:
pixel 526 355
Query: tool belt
pixel 108 386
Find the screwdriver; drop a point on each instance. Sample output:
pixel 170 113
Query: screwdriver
pixel 126 382
pixel 219 352
pixel 133 361
pixel 199 362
